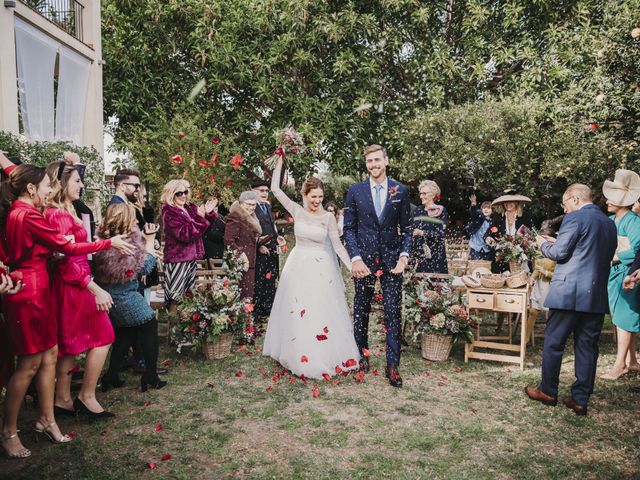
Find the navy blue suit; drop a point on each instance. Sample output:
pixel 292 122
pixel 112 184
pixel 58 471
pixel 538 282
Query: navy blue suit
pixel 578 298
pixel 379 241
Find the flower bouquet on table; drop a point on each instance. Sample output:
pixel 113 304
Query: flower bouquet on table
pixel 288 141
pixel 518 249
pixel 213 313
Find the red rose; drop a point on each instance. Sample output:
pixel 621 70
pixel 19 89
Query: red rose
pixel 215 140
pixel 196 316
pixel 229 182
pixel 129 273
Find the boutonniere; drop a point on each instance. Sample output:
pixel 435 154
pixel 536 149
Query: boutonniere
pixel 393 191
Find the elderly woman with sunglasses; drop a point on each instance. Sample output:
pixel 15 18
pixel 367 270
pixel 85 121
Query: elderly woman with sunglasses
pixel 184 225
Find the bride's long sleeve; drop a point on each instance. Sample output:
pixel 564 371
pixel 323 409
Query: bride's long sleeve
pixel 292 207
pixel 334 236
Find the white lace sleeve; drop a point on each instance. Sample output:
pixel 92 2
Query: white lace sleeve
pixel 292 207
pixel 334 236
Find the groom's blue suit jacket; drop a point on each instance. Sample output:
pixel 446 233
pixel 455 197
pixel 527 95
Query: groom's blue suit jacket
pixel 369 237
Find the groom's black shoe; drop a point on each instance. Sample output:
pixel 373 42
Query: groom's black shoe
pixel 364 365
pixel 395 380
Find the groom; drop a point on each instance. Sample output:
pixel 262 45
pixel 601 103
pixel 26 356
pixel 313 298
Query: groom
pixel 377 235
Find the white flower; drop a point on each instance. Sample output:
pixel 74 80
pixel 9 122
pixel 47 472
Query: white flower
pixel 437 321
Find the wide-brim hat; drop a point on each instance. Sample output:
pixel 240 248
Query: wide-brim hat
pixel 624 190
pixel 510 197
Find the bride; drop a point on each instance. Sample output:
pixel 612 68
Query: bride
pixel 309 331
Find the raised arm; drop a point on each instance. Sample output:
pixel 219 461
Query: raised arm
pixel 334 236
pixel 292 207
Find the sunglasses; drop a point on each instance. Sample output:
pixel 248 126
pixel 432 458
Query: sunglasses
pixel 181 194
pixel 135 186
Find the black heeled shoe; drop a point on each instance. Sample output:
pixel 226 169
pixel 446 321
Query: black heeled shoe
pixel 84 410
pixel 63 412
pixel 156 383
pixel 107 383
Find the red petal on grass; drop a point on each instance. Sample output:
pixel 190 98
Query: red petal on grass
pixel 239 374
pixel 374 371
pixel 152 465
pixel 304 359
pixel 214 159
pixel 147 403
pixel 349 363
pixel 176 159
pixel 303 378
pixel 269 388
pixel 292 380
pixel 315 391
pixel 321 338
pixel 275 378
pixel 226 377
pixel 379 273
pixel 229 182
pixel 241 348
pixel 166 457
pixel 181 135
pixel 335 382
pixel 338 370
pixel 74 369
pixel 249 354
pixel 325 329
pixel 458 369
pixel 158 427
pixel 166 363
pixel 359 377
pixel 203 163
pixel 72 435
pixel 285 249
pixel 326 376
pixel 212 179
pixel 366 352
pixel 210 385
pixel 444 377
pixel 261 369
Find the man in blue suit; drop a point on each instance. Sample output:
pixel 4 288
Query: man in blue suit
pixel 577 300
pixel 377 235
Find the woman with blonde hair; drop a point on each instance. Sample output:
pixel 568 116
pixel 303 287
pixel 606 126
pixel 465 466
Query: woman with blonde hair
pixel 131 315
pixel 184 224
pixel 81 305
pixel 429 249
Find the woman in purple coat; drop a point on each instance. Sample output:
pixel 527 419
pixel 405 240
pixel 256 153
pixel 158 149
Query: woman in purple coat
pixel 184 225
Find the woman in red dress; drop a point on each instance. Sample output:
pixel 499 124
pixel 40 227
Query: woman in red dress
pixel 81 305
pixel 29 241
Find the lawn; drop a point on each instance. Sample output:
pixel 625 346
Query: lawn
pixel 239 418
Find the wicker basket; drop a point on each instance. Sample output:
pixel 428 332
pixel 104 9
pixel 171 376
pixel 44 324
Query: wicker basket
pixel 218 349
pixel 473 264
pixel 518 280
pixel 436 347
pixel 515 266
pixel 492 281
pixel 471 282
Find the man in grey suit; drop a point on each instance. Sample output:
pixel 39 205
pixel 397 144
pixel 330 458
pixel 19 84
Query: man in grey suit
pixel 577 300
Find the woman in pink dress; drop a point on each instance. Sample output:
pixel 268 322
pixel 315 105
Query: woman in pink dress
pixel 81 305
pixel 28 242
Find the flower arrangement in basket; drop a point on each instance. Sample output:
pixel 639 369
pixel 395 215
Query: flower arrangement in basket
pixel 288 142
pixel 519 248
pixel 214 311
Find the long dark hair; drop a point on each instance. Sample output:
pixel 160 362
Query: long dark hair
pixel 16 185
pixel 60 173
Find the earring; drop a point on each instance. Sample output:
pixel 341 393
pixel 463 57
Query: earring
pixel 32 195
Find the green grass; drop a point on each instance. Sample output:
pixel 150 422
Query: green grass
pixel 477 424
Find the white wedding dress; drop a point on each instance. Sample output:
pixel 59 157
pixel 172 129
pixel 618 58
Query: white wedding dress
pixel 310 331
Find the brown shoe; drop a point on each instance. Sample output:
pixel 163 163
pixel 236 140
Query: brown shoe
pixel 573 405
pixel 395 380
pixel 539 396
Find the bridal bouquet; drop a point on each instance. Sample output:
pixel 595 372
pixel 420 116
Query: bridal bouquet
pixel 521 247
pixel 214 308
pixel 288 141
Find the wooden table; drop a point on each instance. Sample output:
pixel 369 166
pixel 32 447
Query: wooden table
pixel 507 300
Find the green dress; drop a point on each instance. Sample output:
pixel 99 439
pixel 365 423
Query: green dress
pixel 625 305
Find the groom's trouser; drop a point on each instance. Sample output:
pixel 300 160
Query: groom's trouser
pixel 586 329
pixel 392 295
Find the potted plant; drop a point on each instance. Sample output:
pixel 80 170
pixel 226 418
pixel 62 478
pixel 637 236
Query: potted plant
pixel 213 313
pixel 439 318
pixel 517 250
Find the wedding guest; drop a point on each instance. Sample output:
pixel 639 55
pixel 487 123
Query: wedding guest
pixel 7 361
pixel 29 241
pixel 184 224
pixel 476 228
pixel 131 315
pixel 127 183
pixel 630 282
pixel 241 234
pixel 429 249
pixel 577 300
pixel 267 258
pixel 510 216
pixel 214 237
pixel 543 269
pixel 332 207
pixel 81 305
pixel 83 212
pixel 621 194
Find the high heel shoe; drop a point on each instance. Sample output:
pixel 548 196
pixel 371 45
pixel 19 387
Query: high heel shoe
pixel 23 453
pixel 46 430
pixel 156 383
pixel 108 383
pixel 84 410
pixel 63 412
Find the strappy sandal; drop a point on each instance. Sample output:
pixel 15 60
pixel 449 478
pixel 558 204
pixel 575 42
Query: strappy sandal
pixel 23 453
pixel 46 430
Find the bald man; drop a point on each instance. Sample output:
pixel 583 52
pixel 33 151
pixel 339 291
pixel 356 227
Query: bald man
pixel 577 300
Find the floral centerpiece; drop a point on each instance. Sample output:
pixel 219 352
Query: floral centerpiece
pixel 519 248
pixel 437 315
pixel 214 310
pixel 288 141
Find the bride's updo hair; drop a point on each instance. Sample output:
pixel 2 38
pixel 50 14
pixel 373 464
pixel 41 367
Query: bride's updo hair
pixel 311 183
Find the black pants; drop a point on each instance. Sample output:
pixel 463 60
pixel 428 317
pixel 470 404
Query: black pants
pixel 147 335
